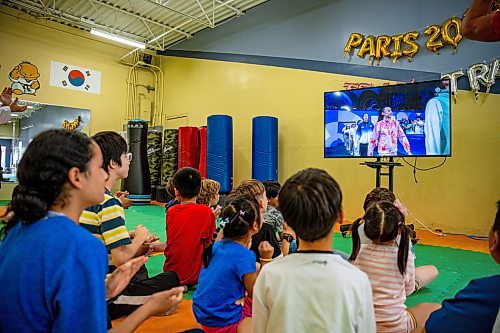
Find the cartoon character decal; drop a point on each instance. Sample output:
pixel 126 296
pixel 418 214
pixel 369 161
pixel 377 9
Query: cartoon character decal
pixel 24 79
pixel 72 126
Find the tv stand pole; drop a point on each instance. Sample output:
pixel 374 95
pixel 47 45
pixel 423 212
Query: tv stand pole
pixel 378 165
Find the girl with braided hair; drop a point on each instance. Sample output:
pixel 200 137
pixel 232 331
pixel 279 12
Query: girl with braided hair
pixel 229 268
pixel 390 268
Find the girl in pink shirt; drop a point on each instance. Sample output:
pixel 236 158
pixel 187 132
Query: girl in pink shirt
pixel 390 269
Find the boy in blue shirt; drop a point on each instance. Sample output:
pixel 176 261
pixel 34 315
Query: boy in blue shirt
pixel 476 307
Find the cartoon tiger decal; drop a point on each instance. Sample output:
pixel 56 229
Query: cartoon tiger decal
pixel 71 126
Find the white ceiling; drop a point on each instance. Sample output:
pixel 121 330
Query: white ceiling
pixel 158 23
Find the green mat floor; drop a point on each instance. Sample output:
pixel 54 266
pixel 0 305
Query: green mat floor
pixel 456 267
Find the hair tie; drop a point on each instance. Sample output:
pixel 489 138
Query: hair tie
pixel 242 213
pixel 400 224
pixel 222 222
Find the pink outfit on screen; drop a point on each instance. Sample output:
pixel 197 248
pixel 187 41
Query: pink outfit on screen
pixel 385 135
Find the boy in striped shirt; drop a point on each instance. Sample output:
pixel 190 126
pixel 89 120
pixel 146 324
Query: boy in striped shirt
pixel 106 221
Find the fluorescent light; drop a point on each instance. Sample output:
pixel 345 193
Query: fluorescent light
pixel 118 39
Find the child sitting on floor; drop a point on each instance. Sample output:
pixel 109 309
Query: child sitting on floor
pixel 255 189
pixel 209 195
pixel 476 308
pixel 229 268
pixel 312 290
pixel 273 216
pixel 190 227
pixel 390 268
pixel 423 274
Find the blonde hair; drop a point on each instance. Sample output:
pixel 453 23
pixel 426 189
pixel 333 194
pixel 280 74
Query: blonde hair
pixel 250 187
pixel 209 190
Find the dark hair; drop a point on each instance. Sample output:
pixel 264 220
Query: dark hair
pixel 382 223
pixel 43 174
pixel 188 182
pixel 378 194
pixel 311 201
pixel 272 188
pixel 496 225
pixel 236 219
pixel 112 145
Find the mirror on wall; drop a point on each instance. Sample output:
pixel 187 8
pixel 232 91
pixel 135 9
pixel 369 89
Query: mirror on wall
pixel 18 133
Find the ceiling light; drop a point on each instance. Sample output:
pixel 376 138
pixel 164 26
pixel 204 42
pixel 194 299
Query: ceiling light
pixel 118 39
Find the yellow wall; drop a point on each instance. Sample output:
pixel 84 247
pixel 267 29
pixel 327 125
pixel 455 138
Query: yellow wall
pixel 458 197
pixel 40 42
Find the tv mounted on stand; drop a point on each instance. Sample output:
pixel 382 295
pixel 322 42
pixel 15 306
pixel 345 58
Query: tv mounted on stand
pixel 402 120
pixel 385 122
pixel 390 121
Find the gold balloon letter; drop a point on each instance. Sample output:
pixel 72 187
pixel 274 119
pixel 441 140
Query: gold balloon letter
pixel 368 46
pixel 409 39
pixel 397 47
pixel 445 31
pixel 433 44
pixel 382 49
pixel 355 40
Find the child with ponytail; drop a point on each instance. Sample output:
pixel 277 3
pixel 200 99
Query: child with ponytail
pixel 423 274
pixel 389 267
pixel 229 268
pixel 53 270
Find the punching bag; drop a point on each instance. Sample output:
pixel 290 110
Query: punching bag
pixel 169 163
pixel 138 182
pixel 265 148
pixel 188 147
pixel 220 151
pixel 154 159
pixel 203 151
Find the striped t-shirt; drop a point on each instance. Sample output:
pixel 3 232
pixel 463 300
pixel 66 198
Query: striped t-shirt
pixel 106 221
pixel 380 263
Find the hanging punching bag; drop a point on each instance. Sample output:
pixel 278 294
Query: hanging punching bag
pixel 265 148
pixel 154 158
pixel 138 182
pixel 203 151
pixel 169 163
pixel 220 151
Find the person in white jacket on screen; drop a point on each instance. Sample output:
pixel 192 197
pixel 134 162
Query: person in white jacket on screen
pixel 437 122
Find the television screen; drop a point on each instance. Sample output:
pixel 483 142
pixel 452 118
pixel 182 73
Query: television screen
pixel 399 120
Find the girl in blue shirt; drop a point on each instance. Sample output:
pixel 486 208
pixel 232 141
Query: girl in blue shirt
pixel 53 270
pixel 229 268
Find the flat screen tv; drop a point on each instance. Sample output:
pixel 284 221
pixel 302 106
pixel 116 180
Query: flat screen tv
pixel 410 119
